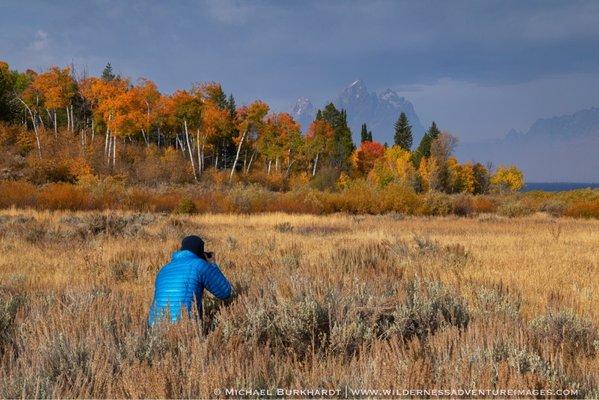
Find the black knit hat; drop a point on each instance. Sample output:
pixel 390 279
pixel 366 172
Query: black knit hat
pixel 194 244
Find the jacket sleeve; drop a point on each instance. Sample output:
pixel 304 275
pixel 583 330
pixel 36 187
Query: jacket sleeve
pixel 216 283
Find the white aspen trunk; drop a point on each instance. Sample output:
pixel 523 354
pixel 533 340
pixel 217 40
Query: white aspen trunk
pixel 143 133
pixel 113 151
pixel 289 168
pixel 35 131
pixel 269 164
pixel 68 118
pixel 106 144
pixel 237 155
pixel 193 167
pixel 250 163
pixel 148 121
pixel 72 119
pixel 93 132
pixel 315 164
pixel 108 149
pixel 180 145
pixel 277 164
pixel 200 156
pixel 55 124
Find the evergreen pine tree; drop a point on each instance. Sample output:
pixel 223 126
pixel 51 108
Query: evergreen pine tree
pixel 433 132
pixel 219 97
pixel 318 115
pixel 403 132
pixel 424 148
pixel 231 106
pixel 370 136
pixel 343 144
pixel 364 137
pixel 107 74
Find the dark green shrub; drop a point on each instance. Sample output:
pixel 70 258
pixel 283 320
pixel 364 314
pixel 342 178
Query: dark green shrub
pixel 186 206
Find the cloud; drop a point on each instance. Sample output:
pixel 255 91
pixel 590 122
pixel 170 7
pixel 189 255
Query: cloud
pixel 41 40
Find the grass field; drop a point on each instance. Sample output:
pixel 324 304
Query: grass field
pixel 321 302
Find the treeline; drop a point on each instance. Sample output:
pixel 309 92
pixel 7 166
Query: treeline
pixel 57 126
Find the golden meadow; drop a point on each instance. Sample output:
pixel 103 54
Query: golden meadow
pixel 365 301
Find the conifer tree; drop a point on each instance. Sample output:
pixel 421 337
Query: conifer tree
pixel 343 145
pixel 231 106
pixel 403 132
pixel 424 148
pixel 364 135
pixel 107 74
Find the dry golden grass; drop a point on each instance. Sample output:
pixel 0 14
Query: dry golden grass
pixel 322 301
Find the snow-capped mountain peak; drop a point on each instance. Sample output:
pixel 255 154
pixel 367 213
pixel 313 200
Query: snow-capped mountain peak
pixel 391 97
pixel 303 112
pixel 378 111
pixel 302 105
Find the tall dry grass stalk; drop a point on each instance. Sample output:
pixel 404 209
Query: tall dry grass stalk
pixel 363 301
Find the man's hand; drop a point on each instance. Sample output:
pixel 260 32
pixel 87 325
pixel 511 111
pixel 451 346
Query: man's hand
pixel 210 257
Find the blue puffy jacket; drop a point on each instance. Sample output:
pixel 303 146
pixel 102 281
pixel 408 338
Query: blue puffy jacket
pixel 181 282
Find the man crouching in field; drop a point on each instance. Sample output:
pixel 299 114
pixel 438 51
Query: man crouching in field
pixel 183 279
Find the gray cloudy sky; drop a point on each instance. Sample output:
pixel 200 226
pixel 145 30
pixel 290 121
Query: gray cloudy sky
pixel 478 68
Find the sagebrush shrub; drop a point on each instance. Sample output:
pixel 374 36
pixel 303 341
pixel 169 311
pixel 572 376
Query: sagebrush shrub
pixel 514 209
pixel 554 207
pixel 436 203
pixel 372 255
pixel 565 328
pixel 429 307
pixel 186 206
pixel 496 301
pixel 9 305
pixel 124 270
pixel 426 245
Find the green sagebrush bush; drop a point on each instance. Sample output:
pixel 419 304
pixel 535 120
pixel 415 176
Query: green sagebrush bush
pixel 563 328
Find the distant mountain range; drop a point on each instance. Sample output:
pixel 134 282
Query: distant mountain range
pixel 557 149
pixel 378 111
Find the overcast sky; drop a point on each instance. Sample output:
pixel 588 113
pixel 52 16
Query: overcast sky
pixel 478 68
